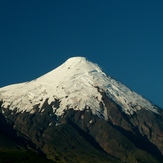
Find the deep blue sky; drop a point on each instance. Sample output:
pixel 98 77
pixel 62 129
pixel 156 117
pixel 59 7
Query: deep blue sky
pixel 125 37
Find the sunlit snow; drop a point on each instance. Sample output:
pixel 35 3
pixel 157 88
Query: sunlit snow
pixel 74 84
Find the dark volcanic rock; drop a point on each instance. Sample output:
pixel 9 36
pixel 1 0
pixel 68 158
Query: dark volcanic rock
pixel 82 135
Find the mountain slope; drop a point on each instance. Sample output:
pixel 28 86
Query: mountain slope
pixel 76 113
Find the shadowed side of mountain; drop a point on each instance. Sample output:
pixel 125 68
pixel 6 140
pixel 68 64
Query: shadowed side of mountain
pixel 108 138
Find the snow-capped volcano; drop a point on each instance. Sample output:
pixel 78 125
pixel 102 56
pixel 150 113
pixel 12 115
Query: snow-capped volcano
pixel 76 113
pixel 77 84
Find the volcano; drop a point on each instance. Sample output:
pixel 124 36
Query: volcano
pixel 77 113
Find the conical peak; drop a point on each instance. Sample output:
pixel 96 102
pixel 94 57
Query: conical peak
pixel 72 68
pixel 76 61
pixel 80 63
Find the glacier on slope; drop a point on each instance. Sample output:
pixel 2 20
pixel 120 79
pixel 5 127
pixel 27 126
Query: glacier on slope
pixel 76 85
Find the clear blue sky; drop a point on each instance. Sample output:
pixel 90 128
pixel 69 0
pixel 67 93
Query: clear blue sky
pixel 125 37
